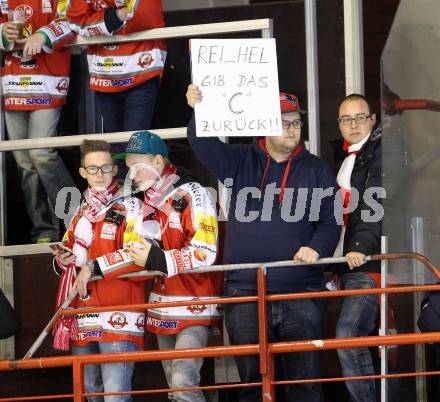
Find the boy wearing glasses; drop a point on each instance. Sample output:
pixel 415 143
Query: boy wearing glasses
pixel 273 170
pixel 101 228
pixel 361 170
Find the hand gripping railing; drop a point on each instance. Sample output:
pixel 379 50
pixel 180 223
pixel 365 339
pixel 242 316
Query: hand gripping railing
pixel 264 349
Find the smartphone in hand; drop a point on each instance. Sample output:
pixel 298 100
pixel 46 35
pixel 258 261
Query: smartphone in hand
pixel 59 248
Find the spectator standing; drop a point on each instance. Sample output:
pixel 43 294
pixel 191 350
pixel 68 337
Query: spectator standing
pixel 178 213
pixel 125 76
pixel 101 228
pixel 360 170
pixel 35 81
pixel 273 170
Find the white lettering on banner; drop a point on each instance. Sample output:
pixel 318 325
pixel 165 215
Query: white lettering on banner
pixel 112 261
pixel 239 81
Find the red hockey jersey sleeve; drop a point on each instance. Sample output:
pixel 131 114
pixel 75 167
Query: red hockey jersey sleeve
pixel 200 228
pixel 119 262
pixel 57 32
pixel 85 20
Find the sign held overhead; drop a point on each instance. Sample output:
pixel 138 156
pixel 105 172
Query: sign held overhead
pixel 239 82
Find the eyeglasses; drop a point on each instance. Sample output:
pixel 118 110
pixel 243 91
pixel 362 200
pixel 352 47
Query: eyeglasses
pixel 359 119
pixel 94 169
pixel 295 123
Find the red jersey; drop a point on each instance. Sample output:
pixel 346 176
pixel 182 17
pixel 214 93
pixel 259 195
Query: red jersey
pixel 120 66
pixel 40 82
pixel 114 232
pixel 189 236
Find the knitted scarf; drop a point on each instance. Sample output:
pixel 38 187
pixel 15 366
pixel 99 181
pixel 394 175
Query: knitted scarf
pixel 150 226
pixel 155 195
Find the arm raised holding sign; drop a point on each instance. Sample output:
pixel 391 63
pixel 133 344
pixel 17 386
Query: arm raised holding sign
pixel 221 159
pixel 272 217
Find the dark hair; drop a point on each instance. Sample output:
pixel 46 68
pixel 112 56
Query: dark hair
pixel 89 146
pixel 353 97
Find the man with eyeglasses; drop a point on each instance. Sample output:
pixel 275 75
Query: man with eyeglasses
pixel 274 170
pixel 360 170
pixel 102 227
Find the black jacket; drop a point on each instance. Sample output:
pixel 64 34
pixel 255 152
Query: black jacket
pixel 9 324
pixel 361 235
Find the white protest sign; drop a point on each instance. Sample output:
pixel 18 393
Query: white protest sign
pixel 239 83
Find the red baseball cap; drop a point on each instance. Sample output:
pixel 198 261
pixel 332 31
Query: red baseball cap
pixel 290 103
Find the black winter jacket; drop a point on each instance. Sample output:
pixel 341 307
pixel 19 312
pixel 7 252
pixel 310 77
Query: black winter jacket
pixel 361 235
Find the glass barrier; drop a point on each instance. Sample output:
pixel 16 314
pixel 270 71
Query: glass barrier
pixel 411 142
pixel 410 148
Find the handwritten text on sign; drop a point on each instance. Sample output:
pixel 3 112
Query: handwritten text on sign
pixel 239 82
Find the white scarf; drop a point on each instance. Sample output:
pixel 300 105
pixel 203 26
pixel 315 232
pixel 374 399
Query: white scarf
pixel 344 182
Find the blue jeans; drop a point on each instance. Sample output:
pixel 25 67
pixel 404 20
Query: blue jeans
pixel 43 173
pixel 358 317
pixel 129 110
pixel 288 320
pixel 111 377
pixel 183 373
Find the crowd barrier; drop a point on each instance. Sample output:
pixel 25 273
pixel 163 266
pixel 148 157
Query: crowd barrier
pixel 264 349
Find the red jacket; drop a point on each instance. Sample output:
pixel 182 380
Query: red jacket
pixel 114 232
pixel 189 236
pixel 43 81
pixel 117 67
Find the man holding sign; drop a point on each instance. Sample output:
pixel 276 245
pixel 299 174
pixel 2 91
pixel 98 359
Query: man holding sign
pixel 241 80
pixel 274 214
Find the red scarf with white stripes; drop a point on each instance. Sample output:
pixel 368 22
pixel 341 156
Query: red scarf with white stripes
pixel 154 196
pixel 97 200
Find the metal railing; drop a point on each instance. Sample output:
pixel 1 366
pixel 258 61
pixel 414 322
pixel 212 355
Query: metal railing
pixel 264 349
